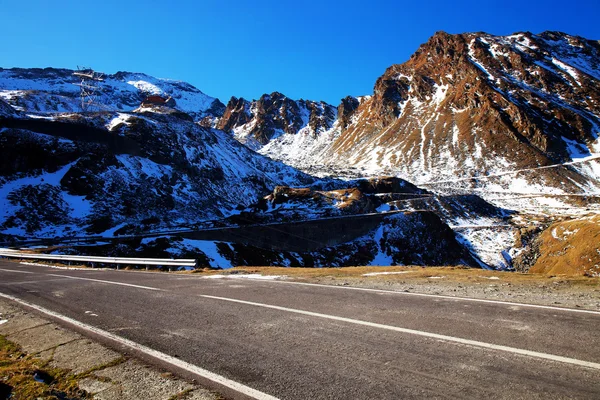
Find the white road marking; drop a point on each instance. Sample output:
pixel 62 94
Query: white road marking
pixel 109 282
pixel 14 270
pixel 221 380
pixel 387 273
pixel 30 282
pixel 440 296
pixel 476 343
pixel 436 296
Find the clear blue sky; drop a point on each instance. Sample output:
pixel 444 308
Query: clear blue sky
pixel 320 50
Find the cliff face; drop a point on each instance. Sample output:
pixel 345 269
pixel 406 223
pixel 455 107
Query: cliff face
pixel 258 122
pixel 471 106
pixel 522 91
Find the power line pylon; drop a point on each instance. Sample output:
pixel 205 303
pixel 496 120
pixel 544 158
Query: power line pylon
pixel 89 89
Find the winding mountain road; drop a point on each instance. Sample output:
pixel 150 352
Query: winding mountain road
pixel 290 340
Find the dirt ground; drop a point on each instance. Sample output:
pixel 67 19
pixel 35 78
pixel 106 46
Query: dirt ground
pixel 553 290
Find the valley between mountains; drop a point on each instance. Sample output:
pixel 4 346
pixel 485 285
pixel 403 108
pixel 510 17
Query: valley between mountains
pixel 479 150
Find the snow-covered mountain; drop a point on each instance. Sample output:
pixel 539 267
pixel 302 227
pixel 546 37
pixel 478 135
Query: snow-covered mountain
pixel 514 119
pixel 6 110
pixel 468 111
pixel 52 90
pixel 155 169
pixel 259 122
pixel 71 174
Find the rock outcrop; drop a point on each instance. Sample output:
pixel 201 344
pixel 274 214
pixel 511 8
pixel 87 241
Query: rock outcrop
pixel 83 174
pixel 466 107
pixel 258 122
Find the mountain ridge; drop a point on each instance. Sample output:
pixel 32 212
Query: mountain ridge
pixel 459 96
pixel 55 90
pixel 513 119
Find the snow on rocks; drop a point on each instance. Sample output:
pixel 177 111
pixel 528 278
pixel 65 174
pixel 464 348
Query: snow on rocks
pixel 247 276
pixel 53 90
pixel 386 273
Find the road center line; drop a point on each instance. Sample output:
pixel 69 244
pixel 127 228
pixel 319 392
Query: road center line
pixel 13 270
pixel 476 343
pixel 109 282
pixel 436 296
pixel 30 282
pixel 221 380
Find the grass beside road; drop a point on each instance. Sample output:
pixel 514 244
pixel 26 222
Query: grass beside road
pixel 414 274
pixel 24 377
pixel 543 289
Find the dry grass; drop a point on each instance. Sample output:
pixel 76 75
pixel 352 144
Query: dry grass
pixel 570 247
pixel 412 274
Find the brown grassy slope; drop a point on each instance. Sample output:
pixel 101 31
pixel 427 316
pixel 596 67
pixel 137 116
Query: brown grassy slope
pixel 409 273
pixel 570 247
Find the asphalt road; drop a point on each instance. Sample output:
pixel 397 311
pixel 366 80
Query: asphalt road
pixel 296 341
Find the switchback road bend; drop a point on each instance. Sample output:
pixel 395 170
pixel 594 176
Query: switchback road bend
pixel 277 339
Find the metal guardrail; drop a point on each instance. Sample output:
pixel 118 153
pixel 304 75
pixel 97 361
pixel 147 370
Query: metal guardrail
pixel 182 262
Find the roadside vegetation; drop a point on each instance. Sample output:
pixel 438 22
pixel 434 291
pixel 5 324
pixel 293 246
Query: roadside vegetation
pixel 547 289
pixel 456 274
pixel 25 377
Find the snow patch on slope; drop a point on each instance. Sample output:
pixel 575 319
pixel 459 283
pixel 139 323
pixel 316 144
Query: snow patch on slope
pixel 55 91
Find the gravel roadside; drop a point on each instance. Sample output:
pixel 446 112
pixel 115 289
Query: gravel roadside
pixel 100 372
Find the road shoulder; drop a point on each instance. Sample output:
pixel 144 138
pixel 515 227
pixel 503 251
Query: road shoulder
pixel 99 371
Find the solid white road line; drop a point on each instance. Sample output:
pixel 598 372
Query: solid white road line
pixel 13 270
pixel 109 282
pixel 221 380
pixel 437 296
pixel 484 345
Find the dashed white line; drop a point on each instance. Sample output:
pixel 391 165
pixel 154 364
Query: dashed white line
pixel 476 343
pixel 30 282
pixel 109 282
pixel 437 296
pixel 221 380
pixel 13 270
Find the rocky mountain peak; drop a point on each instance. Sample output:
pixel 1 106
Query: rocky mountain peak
pixel 255 123
pixel 470 105
pixel 346 110
pixel 535 88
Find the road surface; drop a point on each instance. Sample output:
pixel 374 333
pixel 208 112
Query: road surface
pixel 300 341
